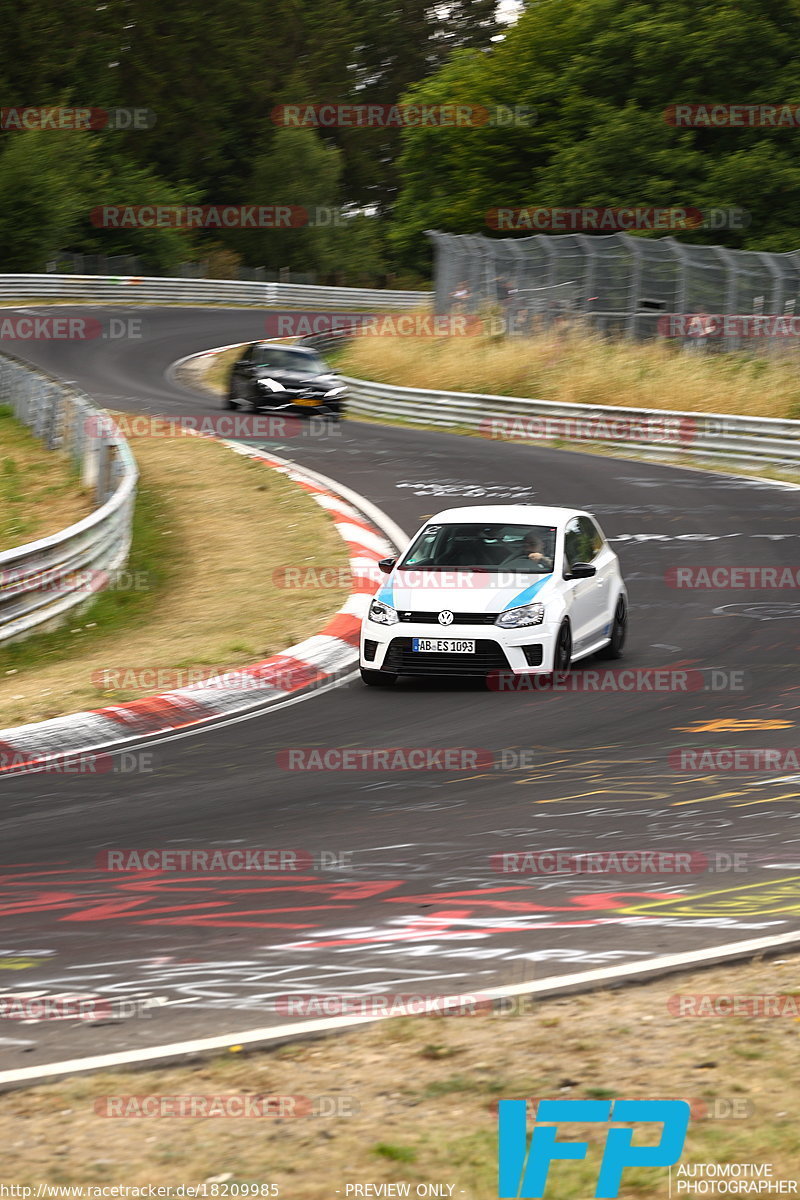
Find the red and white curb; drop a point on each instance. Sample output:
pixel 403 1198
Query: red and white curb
pixel 370 536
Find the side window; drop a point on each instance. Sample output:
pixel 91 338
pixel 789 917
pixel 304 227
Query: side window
pixel 250 354
pixel 593 542
pixel 572 545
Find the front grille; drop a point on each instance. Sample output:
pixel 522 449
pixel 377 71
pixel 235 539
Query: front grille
pixel 369 650
pixel 533 655
pixel 402 660
pixel 432 618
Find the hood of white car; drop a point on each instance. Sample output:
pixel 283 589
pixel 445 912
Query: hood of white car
pixel 463 591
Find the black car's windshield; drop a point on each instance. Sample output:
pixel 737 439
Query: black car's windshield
pixel 526 549
pixel 286 359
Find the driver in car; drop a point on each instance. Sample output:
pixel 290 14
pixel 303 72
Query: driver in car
pixel 531 550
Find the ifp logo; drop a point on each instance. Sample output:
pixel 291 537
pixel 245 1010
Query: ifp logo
pixel 523 1169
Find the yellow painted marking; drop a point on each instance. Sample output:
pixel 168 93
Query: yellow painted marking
pixel 779 895
pixel 704 799
pixel 769 799
pixel 734 724
pixel 618 792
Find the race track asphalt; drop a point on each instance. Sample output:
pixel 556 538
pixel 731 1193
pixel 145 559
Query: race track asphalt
pixel 411 903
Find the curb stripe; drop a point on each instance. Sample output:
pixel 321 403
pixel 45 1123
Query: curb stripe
pixel 314 661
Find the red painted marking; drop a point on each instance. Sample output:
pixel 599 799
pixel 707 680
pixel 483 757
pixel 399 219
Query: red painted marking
pixel 289 674
pixel 152 713
pixel 344 626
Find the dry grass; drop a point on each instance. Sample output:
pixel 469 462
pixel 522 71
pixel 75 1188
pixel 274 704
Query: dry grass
pixel 224 525
pixel 40 493
pixel 424 1092
pixel 581 368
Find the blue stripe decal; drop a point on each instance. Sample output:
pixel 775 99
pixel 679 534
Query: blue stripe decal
pixel 386 595
pixel 528 594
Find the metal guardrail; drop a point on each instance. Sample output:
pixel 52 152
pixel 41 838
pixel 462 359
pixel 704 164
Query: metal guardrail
pixel 43 581
pixel 661 431
pixel 132 290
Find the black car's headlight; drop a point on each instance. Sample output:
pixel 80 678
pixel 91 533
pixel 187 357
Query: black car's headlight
pixel 517 618
pixel 382 614
pixel 272 385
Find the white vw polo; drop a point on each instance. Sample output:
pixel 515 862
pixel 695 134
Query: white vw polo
pixel 497 588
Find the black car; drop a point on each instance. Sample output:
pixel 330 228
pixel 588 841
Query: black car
pixel 293 380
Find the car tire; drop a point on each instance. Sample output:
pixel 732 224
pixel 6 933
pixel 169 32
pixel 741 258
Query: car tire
pixel 619 629
pixel 378 678
pixel 562 656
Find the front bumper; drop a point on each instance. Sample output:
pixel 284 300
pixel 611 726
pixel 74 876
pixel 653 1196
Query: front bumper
pixel 290 405
pixel 524 651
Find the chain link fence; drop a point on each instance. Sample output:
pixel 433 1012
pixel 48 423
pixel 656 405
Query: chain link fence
pixel 43 582
pixel 622 285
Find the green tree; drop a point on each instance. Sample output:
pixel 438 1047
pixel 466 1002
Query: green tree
pixel 45 182
pixel 601 75
pixel 118 181
pixel 299 171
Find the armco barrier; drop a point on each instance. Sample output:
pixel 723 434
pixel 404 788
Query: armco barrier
pixel 131 290
pixel 662 431
pixel 41 582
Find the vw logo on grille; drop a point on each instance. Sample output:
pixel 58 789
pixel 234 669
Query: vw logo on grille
pixel 445 617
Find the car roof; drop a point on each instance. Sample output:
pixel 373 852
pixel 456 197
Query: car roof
pixel 283 346
pixel 523 514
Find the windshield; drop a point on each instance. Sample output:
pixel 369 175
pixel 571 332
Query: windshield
pixel 281 359
pixel 524 549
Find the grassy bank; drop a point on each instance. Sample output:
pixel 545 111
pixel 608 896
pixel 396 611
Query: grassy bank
pixel 202 587
pixel 40 491
pixel 415 1099
pixel 581 368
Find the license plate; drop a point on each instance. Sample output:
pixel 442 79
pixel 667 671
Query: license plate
pixel 309 401
pixel 443 645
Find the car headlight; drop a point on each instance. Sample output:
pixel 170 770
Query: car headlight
pixel 272 384
pixel 516 618
pixel 382 614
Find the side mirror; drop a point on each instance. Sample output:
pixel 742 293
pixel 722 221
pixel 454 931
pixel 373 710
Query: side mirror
pixel 387 565
pixel 581 571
